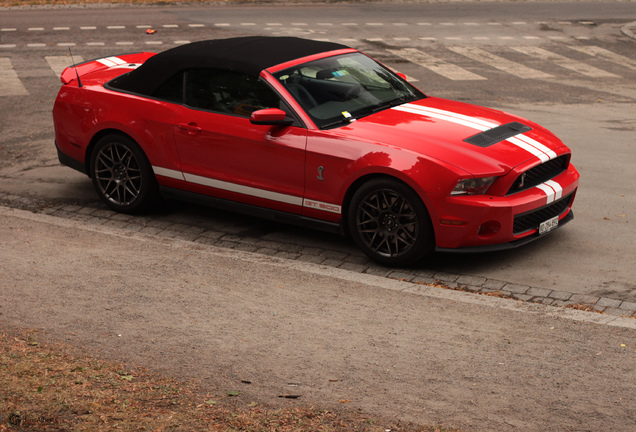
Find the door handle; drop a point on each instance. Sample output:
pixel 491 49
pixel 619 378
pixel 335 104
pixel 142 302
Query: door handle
pixel 191 127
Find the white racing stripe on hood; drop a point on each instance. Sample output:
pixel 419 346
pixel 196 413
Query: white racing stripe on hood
pixel 530 145
pixel 466 121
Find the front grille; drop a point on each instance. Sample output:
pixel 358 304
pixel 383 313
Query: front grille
pixel 532 219
pixel 539 174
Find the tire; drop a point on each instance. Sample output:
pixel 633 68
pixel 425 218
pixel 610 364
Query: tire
pixel 122 175
pixel 389 223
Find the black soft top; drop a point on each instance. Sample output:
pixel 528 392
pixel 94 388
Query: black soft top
pixel 249 55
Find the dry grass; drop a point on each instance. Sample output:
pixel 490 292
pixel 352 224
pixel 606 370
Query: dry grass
pixel 44 387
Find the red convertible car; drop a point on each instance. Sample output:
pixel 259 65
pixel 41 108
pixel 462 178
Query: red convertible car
pixel 312 133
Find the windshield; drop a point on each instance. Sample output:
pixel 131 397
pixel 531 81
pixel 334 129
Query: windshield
pixel 338 90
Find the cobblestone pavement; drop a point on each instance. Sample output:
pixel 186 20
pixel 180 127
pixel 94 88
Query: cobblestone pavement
pixel 223 235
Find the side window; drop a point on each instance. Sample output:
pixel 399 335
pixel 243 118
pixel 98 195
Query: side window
pixel 228 92
pixel 172 90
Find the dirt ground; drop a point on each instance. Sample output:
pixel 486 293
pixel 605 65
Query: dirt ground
pixel 268 327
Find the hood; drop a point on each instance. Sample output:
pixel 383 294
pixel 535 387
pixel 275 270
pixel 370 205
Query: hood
pixel 479 140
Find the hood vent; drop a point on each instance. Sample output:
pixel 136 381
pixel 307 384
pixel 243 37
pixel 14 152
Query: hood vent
pixel 497 134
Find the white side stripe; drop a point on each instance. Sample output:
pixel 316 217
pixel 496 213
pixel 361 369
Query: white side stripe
pixel 247 190
pixel 530 145
pixel 168 173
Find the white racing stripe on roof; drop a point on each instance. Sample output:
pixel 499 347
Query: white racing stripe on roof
pixel 530 145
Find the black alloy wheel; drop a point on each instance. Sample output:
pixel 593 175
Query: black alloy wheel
pixel 122 175
pixel 389 223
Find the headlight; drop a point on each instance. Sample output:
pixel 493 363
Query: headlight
pixel 473 186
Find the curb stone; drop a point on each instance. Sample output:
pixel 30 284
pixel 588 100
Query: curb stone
pixel 97 215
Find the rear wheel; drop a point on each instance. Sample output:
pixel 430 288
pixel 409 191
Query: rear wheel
pixel 122 175
pixel 389 223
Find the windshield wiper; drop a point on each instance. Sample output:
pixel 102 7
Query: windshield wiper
pixel 371 110
pixel 394 103
pixel 341 121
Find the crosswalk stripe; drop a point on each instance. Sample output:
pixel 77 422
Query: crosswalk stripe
pixel 10 84
pixel 564 62
pixel 606 55
pixel 59 63
pixel 436 65
pixel 500 63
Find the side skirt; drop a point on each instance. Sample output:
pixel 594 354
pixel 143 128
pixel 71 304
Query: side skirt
pixel 260 212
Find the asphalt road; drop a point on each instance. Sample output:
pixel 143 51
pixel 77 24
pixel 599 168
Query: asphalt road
pixel 267 326
pixel 585 93
pixel 196 304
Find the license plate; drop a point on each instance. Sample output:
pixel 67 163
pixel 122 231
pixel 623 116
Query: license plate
pixel 548 225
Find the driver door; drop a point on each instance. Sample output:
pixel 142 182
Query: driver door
pixel 223 154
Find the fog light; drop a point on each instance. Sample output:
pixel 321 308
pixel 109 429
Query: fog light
pixel 489 229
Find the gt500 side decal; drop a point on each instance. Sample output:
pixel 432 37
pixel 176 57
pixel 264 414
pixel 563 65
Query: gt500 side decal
pixel 331 208
pixel 247 190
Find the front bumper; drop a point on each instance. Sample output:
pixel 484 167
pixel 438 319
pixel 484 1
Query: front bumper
pixel 504 246
pixel 485 222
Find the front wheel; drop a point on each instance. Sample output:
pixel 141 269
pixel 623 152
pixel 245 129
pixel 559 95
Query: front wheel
pixel 389 223
pixel 122 175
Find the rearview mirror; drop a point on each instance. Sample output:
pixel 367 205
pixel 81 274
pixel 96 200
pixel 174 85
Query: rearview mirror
pixel 270 117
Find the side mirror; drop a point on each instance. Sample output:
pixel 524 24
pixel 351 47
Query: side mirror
pixel 270 117
pixel 401 75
